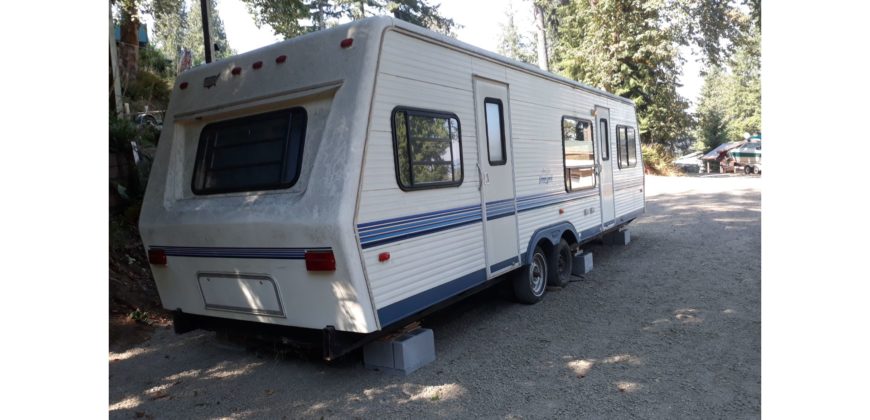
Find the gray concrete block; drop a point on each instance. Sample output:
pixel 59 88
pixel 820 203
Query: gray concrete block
pixel 379 354
pixel 582 264
pixel 405 353
pixel 622 237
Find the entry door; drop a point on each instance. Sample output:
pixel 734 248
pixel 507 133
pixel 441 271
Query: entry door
pixel 492 117
pixel 605 165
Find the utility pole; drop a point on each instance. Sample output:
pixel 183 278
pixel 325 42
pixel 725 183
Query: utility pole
pixel 206 33
pixel 113 58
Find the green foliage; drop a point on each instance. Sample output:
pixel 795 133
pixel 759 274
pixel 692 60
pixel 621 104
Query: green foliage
pixel 193 37
pixel 170 28
pixel 420 12
pixel 657 159
pixel 178 26
pixel 513 44
pixel 148 89
pixel 154 61
pixel 638 59
pixel 729 105
pixel 140 316
pixel 286 16
pixel 710 25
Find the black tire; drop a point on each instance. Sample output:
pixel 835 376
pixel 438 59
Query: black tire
pixel 747 170
pixel 530 282
pixel 560 264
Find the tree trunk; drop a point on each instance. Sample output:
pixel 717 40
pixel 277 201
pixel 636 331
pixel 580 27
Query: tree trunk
pixel 543 59
pixel 128 48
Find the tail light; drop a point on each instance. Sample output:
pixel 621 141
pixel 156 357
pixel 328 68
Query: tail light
pixel 157 256
pixel 319 261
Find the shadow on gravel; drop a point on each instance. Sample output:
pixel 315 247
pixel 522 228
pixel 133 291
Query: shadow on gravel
pixel 668 326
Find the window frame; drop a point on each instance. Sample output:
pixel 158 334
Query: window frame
pixel 498 102
pixel 605 144
pixel 292 113
pixel 423 113
pixel 623 152
pixel 564 166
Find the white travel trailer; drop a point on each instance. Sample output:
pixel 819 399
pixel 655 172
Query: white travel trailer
pixel 344 182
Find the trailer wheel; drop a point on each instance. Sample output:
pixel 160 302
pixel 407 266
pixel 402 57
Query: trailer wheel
pixel 747 169
pixel 756 171
pixel 561 263
pixel 530 282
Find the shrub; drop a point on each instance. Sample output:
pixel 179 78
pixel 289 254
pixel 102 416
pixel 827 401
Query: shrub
pixel 148 89
pixel 658 160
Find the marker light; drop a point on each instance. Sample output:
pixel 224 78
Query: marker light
pixel 157 256
pixel 183 85
pixel 280 59
pixel 383 256
pixel 237 71
pixel 319 261
pixel 257 65
pixel 347 42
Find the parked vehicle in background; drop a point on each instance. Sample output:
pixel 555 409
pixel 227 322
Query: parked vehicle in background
pixel 690 163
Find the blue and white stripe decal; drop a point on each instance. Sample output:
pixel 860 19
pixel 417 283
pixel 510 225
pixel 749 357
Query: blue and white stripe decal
pixel 501 208
pixel 396 229
pixel 228 252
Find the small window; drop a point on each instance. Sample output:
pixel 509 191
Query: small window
pixel 578 148
pixel 626 146
pixel 605 140
pixel 428 148
pixel 495 131
pixel 259 152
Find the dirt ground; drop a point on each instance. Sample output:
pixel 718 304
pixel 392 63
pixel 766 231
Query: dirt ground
pixel 666 327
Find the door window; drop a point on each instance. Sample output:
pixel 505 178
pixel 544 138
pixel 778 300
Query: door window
pixel 494 131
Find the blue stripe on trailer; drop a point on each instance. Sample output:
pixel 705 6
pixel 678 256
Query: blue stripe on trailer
pixel 385 231
pixel 409 306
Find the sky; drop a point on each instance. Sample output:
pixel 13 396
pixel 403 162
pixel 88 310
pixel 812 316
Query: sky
pixel 480 20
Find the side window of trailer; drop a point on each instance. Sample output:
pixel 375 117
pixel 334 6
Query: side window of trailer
pixel 427 148
pixel 253 153
pixel 578 154
pixel 626 146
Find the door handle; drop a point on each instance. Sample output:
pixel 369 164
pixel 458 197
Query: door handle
pixel 597 169
pixel 479 178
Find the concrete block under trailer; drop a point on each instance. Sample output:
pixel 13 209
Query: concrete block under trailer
pixel 336 186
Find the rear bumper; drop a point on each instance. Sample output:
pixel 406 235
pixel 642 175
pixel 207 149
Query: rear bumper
pixel 332 343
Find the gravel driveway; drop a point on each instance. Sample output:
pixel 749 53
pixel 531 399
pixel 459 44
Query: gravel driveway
pixel 667 327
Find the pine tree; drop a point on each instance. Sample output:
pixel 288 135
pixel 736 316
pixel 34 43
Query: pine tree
pixel 512 43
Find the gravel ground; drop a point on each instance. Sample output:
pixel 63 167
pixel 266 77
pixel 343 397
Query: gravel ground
pixel 667 327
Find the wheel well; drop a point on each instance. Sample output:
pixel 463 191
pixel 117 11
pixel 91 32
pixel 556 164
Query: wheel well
pixel 570 238
pixel 545 244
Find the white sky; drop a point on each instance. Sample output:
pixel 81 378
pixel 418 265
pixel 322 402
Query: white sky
pixel 480 20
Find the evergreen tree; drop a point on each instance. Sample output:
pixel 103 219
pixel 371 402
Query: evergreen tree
pixel 170 27
pixel 512 43
pixel 286 16
pixel 623 47
pixel 729 104
pixel 193 37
